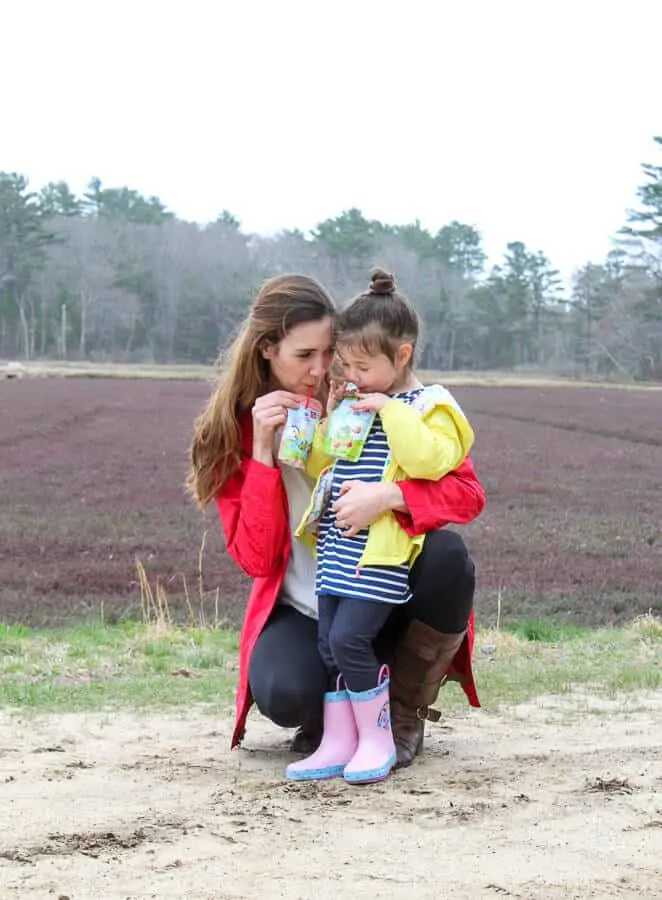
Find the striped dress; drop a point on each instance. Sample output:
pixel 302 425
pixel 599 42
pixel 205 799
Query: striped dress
pixel 338 556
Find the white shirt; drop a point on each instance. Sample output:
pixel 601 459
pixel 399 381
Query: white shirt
pixel 298 588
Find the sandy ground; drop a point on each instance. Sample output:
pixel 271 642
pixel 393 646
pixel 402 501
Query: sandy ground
pixel 541 801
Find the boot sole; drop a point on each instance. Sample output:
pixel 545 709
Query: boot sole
pixel 369 776
pixel 316 774
pixel 408 759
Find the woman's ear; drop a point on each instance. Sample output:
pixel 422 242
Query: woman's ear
pixel 404 355
pixel 268 349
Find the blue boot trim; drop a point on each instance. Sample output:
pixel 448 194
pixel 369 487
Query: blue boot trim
pixel 315 774
pixel 336 696
pixel 367 696
pixel 371 774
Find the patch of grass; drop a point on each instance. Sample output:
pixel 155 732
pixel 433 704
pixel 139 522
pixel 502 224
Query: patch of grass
pixel 534 659
pixel 546 631
pixel 150 665
pixel 94 666
pixel 9 631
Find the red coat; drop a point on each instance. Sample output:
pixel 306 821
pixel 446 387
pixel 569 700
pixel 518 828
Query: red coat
pixel 254 513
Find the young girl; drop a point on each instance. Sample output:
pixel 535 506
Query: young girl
pixel 418 432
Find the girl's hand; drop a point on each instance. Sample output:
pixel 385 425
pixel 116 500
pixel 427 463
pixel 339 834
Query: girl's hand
pixel 269 413
pixel 360 504
pixel 371 402
pixel 336 394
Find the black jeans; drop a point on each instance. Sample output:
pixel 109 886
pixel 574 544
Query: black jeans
pixel 346 633
pixel 287 677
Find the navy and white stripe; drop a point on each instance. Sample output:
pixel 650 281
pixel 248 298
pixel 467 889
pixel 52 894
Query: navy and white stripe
pixel 338 556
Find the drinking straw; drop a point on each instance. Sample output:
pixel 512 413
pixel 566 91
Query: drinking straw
pixel 308 396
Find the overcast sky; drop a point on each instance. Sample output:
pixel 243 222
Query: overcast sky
pixel 528 119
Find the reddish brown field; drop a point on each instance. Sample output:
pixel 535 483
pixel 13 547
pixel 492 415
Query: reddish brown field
pixel 92 471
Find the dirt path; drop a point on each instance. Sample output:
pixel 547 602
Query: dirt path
pixel 536 803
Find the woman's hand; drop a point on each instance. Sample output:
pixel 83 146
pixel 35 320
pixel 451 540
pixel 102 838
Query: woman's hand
pixel 269 413
pixel 360 504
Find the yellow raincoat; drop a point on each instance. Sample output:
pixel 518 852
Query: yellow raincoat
pixel 427 438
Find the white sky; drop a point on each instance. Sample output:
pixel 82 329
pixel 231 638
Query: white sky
pixel 526 118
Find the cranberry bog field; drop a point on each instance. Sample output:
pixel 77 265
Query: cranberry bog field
pixel 92 473
pixel 116 777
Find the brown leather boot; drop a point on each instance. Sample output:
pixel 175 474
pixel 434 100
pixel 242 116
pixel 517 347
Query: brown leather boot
pixel 420 663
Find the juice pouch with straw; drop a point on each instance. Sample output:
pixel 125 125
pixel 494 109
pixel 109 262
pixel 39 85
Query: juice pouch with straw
pixel 347 428
pixel 298 433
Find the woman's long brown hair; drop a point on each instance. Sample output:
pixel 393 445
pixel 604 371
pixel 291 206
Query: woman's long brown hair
pixel 282 303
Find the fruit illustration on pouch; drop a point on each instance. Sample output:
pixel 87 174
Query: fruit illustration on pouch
pixel 347 430
pixel 343 437
pixel 298 434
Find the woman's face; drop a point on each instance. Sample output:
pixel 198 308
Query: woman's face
pixel 302 358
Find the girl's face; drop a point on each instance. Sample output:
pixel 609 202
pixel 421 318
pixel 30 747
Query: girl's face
pixel 375 373
pixel 303 357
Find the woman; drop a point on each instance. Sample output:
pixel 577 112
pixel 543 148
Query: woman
pixel 282 353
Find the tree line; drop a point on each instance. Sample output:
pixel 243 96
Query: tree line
pixel 114 275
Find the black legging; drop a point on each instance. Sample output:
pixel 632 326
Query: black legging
pixel 287 677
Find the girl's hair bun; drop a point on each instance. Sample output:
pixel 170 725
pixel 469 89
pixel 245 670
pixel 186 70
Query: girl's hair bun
pixel 381 282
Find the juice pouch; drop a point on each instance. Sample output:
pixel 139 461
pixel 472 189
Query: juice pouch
pixel 298 433
pixel 347 429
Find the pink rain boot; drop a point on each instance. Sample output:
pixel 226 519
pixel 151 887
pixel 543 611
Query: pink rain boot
pixel 339 741
pixel 375 755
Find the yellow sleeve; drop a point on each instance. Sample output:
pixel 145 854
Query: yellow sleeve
pixel 427 447
pixel 318 460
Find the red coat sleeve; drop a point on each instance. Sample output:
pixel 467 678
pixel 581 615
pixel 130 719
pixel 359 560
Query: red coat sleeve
pixel 253 510
pixel 456 498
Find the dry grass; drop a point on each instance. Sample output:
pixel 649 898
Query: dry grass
pixel 500 640
pixel 646 626
pixel 155 605
pixel 533 380
pixel 47 369
pixel 193 372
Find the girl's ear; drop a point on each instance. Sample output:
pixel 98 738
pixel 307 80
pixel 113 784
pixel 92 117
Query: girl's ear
pixel 404 355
